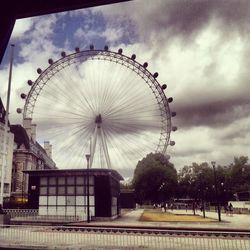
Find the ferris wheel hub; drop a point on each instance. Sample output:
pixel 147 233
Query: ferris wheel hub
pixel 98 120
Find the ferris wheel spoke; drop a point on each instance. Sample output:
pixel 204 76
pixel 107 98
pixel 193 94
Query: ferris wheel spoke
pixel 75 141
pixel 56 89
pixel 74 97
pixel 130 110
pixel 59 104
pixel 130 147
pixel 133 103
pixel 60 130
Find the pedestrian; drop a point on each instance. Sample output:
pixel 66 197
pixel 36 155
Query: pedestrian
pixel 163 207
pixel 226 209
pixel 171 206
pixel 230 209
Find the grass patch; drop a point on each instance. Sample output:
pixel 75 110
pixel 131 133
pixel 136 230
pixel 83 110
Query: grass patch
pixel 170 217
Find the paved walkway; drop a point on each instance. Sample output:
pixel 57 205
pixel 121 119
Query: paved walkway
pixel 234 222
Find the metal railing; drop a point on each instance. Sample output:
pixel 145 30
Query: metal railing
pixel 110 238
pixel 21 212
pixel 32 215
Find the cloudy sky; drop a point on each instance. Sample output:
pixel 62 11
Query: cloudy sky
pixel 200 49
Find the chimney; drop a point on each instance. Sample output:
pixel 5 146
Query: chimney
pixel 27 126
pixel 33 132
pixel 48 148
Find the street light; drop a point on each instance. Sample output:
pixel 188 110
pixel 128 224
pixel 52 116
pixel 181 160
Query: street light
pixel 216 191
pixel 88 215
pixel 202 196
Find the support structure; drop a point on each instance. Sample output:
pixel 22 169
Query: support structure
pixel 99 137
pixel 88 214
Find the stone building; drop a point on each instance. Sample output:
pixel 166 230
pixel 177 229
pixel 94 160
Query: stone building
pixel 28 155
pixel 6 150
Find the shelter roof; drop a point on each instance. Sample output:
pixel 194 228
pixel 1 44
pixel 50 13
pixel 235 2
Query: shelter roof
pixel 78 172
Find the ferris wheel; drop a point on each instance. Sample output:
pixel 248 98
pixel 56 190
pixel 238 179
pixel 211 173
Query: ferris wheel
pixel 101 103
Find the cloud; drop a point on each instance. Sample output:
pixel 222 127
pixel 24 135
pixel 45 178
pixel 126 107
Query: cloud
pixel 22 26
pixel 199 48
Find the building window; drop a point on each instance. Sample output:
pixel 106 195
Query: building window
pixel 61 180
pixel 80 180
pixel 71 180
pixel 91 190
pixel 43 191
pixel 91 180
pixel 70 200
pixel 70 190
pixel 43 181
pixel 61 190
pixel 6 188
pixel 61 201
pixel 52 200
pixel 52 190
pixel 80 190
pixel 52 181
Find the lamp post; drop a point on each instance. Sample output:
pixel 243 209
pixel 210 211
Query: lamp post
pixel 216 191
pixel 88 215
pixel 202 196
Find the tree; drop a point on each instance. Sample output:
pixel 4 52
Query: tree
pixel 197 180
pixel 194 180
pixel 239 174
pixel 155 179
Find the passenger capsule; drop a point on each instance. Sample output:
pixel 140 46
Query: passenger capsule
pixel 172 143
pixel 170 99
pixel 77 50
pixel 91 47
pixel 163 86
pixel 63 54
pixel 155 75
pixel 39 71
pixel 30 82
pixel 174 128
pixel 173 114
pixel 106 48
pixel 133 57
pixel 19 111
pixel 50 61
pixel 145 65
pixel 23 96
pixel 120 51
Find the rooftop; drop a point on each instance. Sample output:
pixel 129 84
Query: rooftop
pixel 92 171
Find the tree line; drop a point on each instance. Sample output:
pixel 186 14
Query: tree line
pixel 156 179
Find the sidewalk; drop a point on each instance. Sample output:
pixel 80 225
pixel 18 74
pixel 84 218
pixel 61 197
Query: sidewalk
pixel 131 219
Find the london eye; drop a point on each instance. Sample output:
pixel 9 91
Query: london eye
pixel 101 103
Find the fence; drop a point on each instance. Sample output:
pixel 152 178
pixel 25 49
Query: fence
pixel 35 237
pixel 32 215
pixel 21 212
